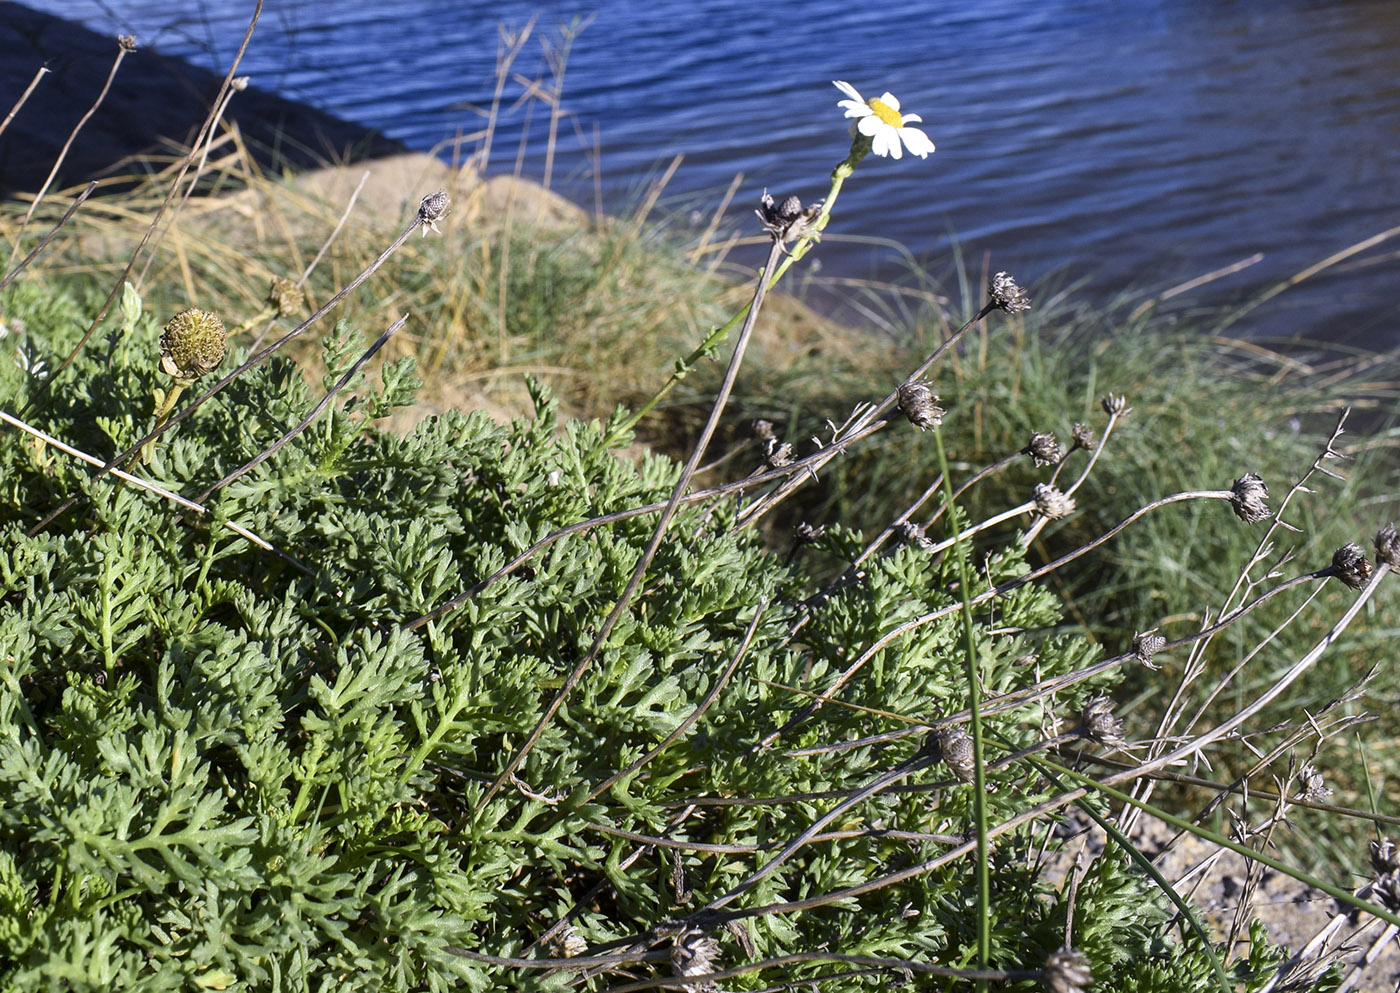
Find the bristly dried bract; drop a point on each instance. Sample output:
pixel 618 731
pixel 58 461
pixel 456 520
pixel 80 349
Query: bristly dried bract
pixel 777 454
pixel 432 209
pixel 918 403
pixel 953 747
pixel 1067 971
pixel 1388 547
pixel 1351 566
pixel 693 953
pixel 786 219
pixel 1044 449
pixel 910 533
pixel 1385 857
pixel 1097 723
pixel 1006 295
pixel 805 534
pixel 1147 645
pixel 1114 405
pixel 1083 436
pixel 570 942
pixel 1312 787
pixel 1247 497
pixel 1050 502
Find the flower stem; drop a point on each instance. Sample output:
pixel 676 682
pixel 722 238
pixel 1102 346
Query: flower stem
pixel 974 703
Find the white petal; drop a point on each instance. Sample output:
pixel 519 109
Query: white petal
pixel 854 109
pixel 871 126
pixel 912 117
pixel 887 143
pixel 917 142
pixel 848 89
pixel 890 100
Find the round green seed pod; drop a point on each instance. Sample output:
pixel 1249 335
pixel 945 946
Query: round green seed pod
pixel 194 343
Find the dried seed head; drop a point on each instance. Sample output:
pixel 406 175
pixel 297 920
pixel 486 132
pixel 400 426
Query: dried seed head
pixel 763 430
pixel 910 533
pixel 127 42
pixel 286 296
pixel 1044 449
pixel 953 747
pixel 805 534
pixel 693 953
pixel 777 454
pixel 1067 971
pixel 1311 784
pixel 918 403
pixel 1050 502
pixel 1351 566
pixel 1114 405
pixel 786 219
pixel 1097 723
pixel 1385 857
pixel 571 943
pixel 1146 645
pixel 1083 436
pixel 1247 497
pixel 1388 546
pixel 1006 295
pixel 1386 889
pixel 194 343
pixel 432 209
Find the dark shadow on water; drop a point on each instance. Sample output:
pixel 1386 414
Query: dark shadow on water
pixel 152 98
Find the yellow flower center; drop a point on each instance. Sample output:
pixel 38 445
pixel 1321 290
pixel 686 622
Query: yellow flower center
pixel 886 113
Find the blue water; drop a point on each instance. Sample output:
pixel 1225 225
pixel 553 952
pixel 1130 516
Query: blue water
pixel 1137 144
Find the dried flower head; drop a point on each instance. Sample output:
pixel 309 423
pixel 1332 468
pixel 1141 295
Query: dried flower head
pixel 286 296
pixel 1083 436
pixel 1044 449
pixel 194 343
pixel 1311 784
pixel 786 219
pixel 693 953
pixel 1351 566
pixel 1385 857
pixel 763 430
pixel 1067 971
pixel 432 209
pixel 910 533
pixel 1097 723
pixel 1247 497
pixel 127 42
pixel 1006 295
pixel 1050 502
pixel 918 403
pixel 1146 645
pixel 570 942
pixel 953 747
pixel 1386 889
pixel 777 454
pixel 1388 546
pixel 805 534
pixel 1114 405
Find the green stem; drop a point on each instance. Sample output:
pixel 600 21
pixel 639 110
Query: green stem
pixel 974 706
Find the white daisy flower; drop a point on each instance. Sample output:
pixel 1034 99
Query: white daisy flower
pixel 881 121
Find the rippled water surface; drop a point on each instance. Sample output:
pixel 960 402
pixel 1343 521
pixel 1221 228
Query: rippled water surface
pixel 1135 144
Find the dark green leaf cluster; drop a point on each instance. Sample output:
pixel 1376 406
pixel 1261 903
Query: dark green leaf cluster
pixel 220 772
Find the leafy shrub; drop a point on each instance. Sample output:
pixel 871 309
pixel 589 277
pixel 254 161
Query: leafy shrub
pixel 221 772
